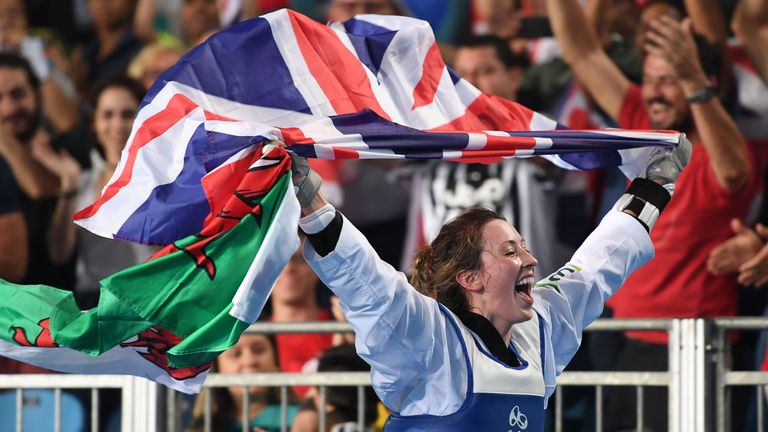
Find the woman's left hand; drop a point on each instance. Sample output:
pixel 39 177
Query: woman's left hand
pixel 732 254
pixel 60 163
pixel 754 272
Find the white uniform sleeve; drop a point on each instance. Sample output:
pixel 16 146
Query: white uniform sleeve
pixel 417 360
pixel 571 298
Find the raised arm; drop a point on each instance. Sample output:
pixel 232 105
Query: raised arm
pixel 583 52
pixel 62 232
pixel 418 365
pixel 750 24
pixel 707 20
pixel 571 298
pixel 417 361
pixel 716 130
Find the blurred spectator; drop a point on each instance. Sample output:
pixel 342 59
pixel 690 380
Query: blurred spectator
pixel 13 242
pixel 750 25
pixel 115 101
pixel 113 46
pixel 253 353
pixel 550 87
pixel 338 315
pixel 153 60
pixel 294 299
pixel 745 253
pixel 372 197
pixel 522 24
pixel 718 184
pixel 20 111
pixel 56 16
pixel 342 10
pixel 198 19
pixel 444 189
pixel 341 402
pixel 20 114
pixel 59 103
pixel 489 65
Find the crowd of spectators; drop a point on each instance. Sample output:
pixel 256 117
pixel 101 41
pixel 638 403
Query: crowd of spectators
pixel 73 72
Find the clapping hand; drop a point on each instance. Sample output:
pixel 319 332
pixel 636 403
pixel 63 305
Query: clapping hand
pixel 745 253
pixel 754 272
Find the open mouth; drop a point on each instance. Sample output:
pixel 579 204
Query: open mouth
pixel 525 285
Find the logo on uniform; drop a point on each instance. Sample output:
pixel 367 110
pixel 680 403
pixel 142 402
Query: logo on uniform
pixel 517 419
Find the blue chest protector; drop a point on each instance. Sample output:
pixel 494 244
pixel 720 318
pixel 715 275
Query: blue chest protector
pixel 499 397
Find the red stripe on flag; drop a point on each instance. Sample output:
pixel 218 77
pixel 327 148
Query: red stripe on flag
pixel 481 156
pixel 346 85
pixel 489 112
pixel 339 153
pixel 178 107
pixel 213 116
pixel 294 135
pixel 502 143
pixel 424 92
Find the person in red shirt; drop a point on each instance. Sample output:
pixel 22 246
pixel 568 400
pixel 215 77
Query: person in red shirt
pixel 677 92
pixel 294 299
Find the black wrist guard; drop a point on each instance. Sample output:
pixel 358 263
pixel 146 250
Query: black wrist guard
pixel 646 199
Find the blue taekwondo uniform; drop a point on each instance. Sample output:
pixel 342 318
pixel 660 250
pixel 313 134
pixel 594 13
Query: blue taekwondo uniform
pixel 434 372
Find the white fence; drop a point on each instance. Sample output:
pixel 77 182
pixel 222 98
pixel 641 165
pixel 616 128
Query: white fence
pixel 699 380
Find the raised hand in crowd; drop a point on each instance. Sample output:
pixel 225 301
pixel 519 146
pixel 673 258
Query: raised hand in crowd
pixel 62 233
pixel 61 163
pixel 750 25
pixel 746 253
pixel 48 61
pixel 730 255
pixel 673 41
pixel 754 272
pixel 33 179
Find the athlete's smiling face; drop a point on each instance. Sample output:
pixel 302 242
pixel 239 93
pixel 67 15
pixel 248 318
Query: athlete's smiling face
pixel 501 289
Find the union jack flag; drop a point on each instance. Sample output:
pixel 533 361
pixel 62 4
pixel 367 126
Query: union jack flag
pixel 372 87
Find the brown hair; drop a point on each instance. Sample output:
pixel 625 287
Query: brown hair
pixel 456 248
pixel 223 408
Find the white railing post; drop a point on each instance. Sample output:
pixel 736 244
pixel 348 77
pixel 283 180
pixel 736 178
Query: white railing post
pixel 702 385
pixel 675 383
pixel 140 402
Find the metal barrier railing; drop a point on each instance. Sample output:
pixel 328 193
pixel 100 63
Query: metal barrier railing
pixel 725 378
pixel 596 379
pixel 697 359
pixel 321 380
pixel 59 382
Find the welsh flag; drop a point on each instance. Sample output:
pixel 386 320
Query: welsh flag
pixel 168 318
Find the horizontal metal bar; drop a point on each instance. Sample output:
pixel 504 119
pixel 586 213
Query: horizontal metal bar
pixel 342 327
pixel 300 327
pixel 275 379
pixel 630 324
pixel 741 323
pixel 52 381
pixel 745 378
pixel 614 379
